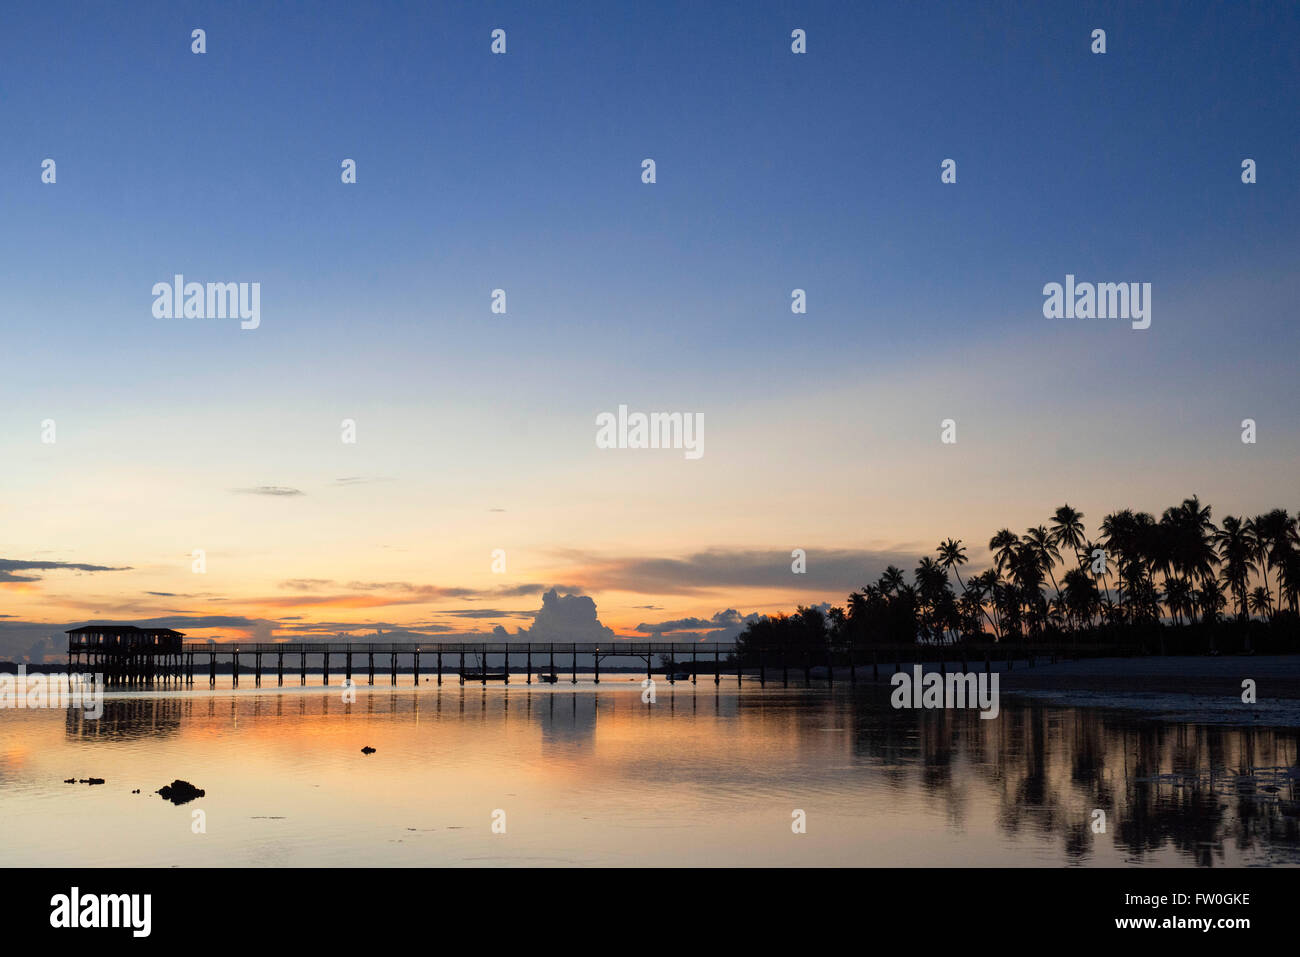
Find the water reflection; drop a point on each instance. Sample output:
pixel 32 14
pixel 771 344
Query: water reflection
pixel 127 718
pixel 1195 788
pixel 1035 776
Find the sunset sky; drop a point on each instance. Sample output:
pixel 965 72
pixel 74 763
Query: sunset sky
pixel 476 431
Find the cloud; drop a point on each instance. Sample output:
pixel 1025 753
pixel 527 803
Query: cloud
pixel 487 613
pixel 275 490
pixel 10 565
pixel 306 584
pixel 35 639
pixel 567 618
pixel 359 594
pixel 723 626
pixel 837 570
pixel 296 629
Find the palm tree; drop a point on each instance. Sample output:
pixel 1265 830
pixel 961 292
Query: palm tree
pixel 1067 529
pixel 935 592
pixel 1237 549
pixel 1178 597
pixel 1003 546
pixel 1117 537
pixel 1261 602
pixel 1027 575
pixel 856 614
pixel 1180 569
pixel 984 586
pixel 952 554
pixel 1272 537
pixel 1006 601
pixel 1211 600
pixel 972 613
pixel 1048 554
pixel 1197 552
pixel 1057 614
pixel 892 581
pixel 1288 573
pixel 1101 578
pixel 1081 599
pixel 1191 547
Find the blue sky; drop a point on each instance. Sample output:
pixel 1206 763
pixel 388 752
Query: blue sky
pixel 775 171
pixel 521 171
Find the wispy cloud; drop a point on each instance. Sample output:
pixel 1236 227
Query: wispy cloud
pixel 837 570
pixel 720 627
pixel 365 594
pixel 273 490
pixel 8 567
pixel 489 613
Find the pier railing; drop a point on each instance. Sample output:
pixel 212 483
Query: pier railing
pixel 470 660
pixel 635 648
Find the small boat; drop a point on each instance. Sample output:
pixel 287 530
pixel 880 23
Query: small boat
pixel 680 676
pixel 549 679
pixel 484 676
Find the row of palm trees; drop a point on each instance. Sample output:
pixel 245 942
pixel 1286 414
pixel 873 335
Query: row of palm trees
pixel 1140 571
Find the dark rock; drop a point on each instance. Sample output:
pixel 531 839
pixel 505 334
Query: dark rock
pixel 180 792
pixel 91 781
pixel 367 750
pixel 69 780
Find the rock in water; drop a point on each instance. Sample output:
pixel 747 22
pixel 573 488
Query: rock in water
pixel 180 792
pixel 367 750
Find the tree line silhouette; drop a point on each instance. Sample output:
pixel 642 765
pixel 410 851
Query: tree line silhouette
pixel 1179 576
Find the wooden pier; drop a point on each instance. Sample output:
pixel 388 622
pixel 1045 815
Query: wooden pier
pixel 465 662
pixel 149 657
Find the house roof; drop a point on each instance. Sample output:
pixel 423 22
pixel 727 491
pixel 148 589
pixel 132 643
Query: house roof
pixel 124 630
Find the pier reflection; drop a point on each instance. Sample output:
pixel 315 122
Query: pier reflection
pixel 125 718
pixel 1038 774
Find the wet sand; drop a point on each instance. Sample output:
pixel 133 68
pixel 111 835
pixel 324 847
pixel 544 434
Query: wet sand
pixel 1277 676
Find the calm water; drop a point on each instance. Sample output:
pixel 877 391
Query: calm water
pixel 589 775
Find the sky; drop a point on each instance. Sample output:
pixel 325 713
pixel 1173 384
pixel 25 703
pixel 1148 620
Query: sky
pixel 475 431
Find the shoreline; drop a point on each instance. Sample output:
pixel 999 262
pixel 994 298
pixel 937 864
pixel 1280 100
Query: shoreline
pixel 1194 688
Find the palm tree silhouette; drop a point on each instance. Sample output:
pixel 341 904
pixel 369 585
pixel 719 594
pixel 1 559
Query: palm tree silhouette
pixel 1067 529
pixel 1003 546
pixel 1237 549
pixel 1272 537
pixel 1048 555
pixel 1178 572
